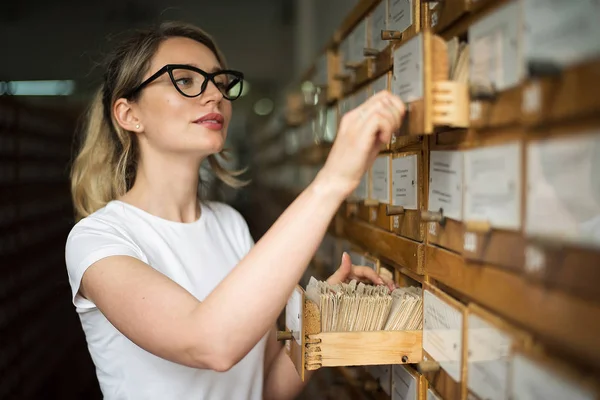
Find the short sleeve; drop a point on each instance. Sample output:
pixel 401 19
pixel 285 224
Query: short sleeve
pixel 90 241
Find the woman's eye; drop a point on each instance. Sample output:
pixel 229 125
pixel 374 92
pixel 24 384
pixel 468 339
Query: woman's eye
pixel 184 81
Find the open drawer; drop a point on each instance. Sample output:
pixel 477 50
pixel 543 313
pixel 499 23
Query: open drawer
pixel 421 78
pixel 311 349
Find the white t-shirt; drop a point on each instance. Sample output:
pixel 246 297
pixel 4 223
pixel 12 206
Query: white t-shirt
pixel 197 256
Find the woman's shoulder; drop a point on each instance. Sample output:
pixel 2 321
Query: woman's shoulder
pixel 109 219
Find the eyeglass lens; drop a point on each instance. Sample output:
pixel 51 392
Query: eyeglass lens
pixel 190 83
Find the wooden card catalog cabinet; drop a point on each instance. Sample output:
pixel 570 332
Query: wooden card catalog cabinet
pixel 383 375
pixel 343 76
pixel 442 14
pixel 443 319
pixel 490 343
pixel 562 54
pixel 379 50
pixel 496 67
pixel 492 205
pixel 406 383
pixel 562 217
pixel 445 204
pixel 421 79
pixel 310 348
pixel 356 62
pixel 406 201
pixel 346 105
pixel 540 378
pixel 380 192
pixel 431 394
pixel 354 204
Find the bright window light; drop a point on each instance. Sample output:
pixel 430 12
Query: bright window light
pixel 38 88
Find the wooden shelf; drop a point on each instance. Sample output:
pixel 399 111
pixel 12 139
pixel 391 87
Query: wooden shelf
pixel 560 320
pixel 391 248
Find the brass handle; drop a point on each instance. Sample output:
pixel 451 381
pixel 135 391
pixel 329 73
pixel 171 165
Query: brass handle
pixel 284 335
pixel 394 210
pixel 391 35
pixel 432 216
pixel 428 366
pixel 478 226
pixel 371 203
pixel 341 77
pixel 353 65
pixel 483 92
pixel 368 52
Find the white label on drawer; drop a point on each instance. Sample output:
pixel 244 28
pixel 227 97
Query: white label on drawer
pixel 400 18
pixel 470 242
pixel 344 54
pixel 535 259
pixel 358 42
pixel 372 214
pixel 293 314
pixel 488 360
pixel 446 183
pixel 378 24
pixel 321 73
pixel 564 32
pixel 493 185
pixel 380 185
pixel 385 380
pixel 442 333
pixel 405 178
pixel 404 384
pixel 532 98
pixel 396 222
pixel 433 228
pixel 431 395
pixel 532 381
pixel 407 81
pixel 563 194
pixel 475 113
pixel 434 18
pixel 362 191
pixel 495 42
pixel 380 84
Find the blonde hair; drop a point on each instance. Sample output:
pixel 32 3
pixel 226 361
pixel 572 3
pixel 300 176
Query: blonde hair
pixel 105 166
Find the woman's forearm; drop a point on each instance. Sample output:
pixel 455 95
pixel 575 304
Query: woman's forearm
pixel 244 306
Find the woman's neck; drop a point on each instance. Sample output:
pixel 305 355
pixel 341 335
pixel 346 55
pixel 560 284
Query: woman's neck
pixel 167 187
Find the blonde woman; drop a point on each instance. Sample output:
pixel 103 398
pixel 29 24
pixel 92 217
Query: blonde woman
pixel 175 299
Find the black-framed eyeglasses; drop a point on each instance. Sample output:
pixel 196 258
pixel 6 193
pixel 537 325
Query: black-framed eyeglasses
pixel 192 82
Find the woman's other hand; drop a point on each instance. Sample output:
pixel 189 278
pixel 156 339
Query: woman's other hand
pixel 347 272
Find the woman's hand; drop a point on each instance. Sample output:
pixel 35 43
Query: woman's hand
pixel 347 272
pixel 362 134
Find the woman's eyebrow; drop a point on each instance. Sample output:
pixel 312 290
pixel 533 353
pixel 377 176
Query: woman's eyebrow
pixel 216 68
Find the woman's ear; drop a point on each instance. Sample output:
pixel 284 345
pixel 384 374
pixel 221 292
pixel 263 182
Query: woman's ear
pixel 126 117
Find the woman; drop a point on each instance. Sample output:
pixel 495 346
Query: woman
pixel 175 299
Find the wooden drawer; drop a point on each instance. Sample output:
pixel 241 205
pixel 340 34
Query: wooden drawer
pixel 421 79
pixel 562 208
pixel 443 327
